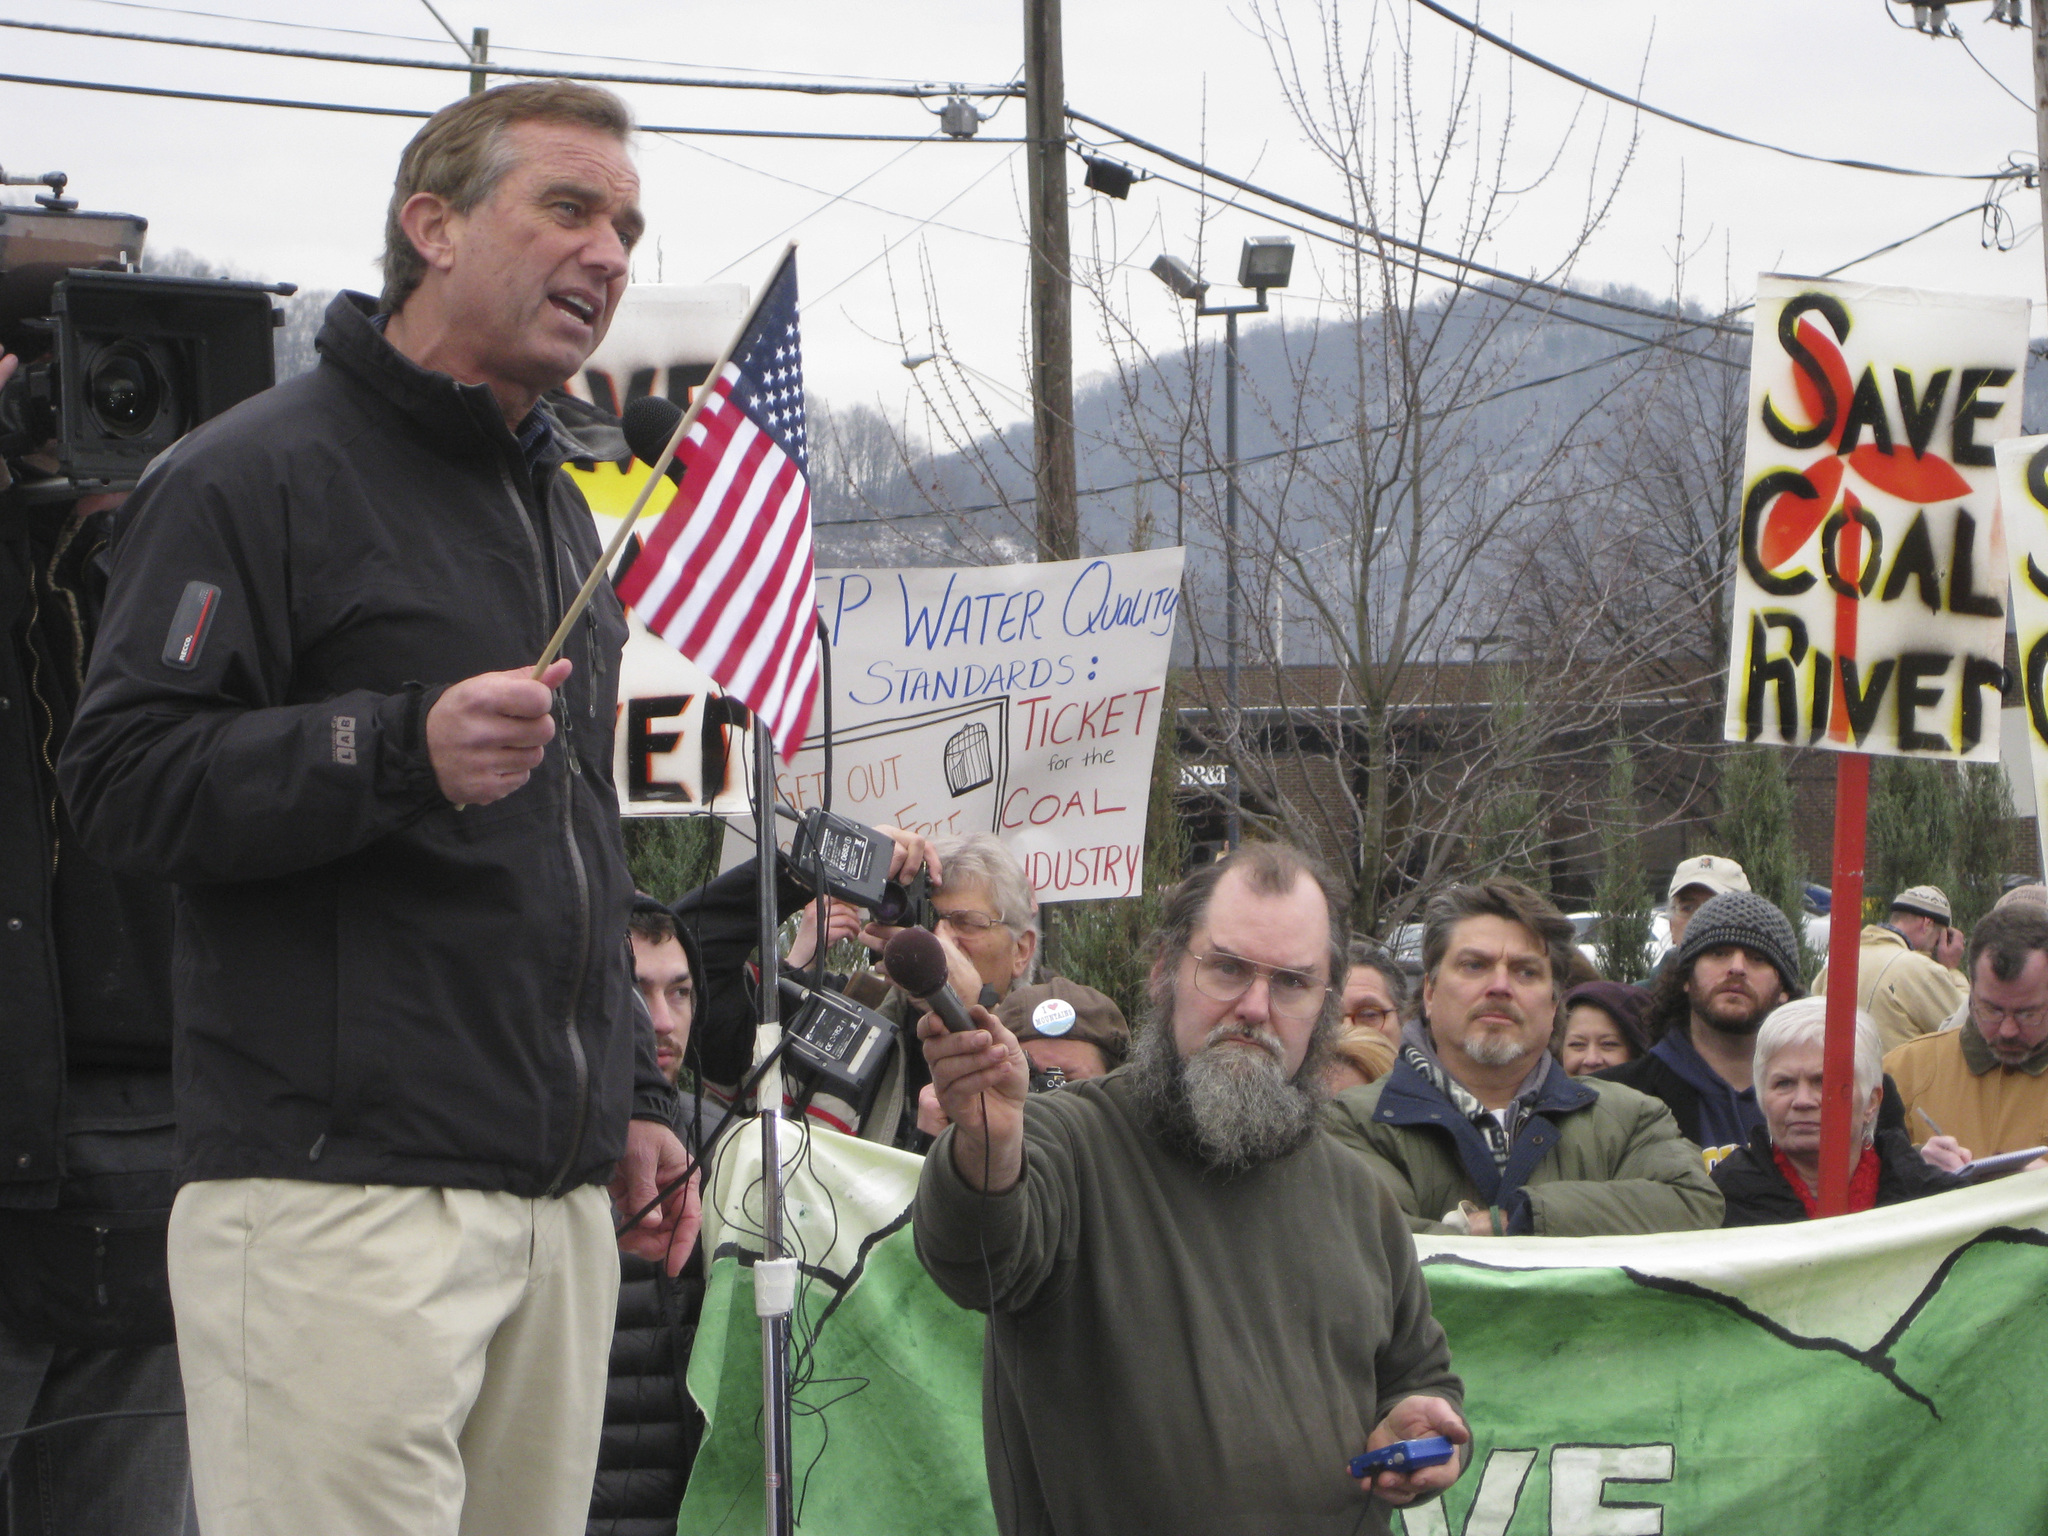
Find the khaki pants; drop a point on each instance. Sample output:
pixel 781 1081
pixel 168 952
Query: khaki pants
pixel 391 1361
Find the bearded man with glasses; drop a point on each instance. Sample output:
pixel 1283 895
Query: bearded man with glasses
pixel 1200 1306
pixel 1478 1131
pixel 1986 1083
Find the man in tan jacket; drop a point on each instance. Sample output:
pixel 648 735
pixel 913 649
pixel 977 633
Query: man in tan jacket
pixel 1906 975
pixel 1986 1084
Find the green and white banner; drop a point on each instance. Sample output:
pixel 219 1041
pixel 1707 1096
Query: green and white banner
pixel 1886 1372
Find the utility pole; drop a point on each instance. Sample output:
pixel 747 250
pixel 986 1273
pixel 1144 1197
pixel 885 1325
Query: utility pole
pixel 1052 327
pixel 479 50
pixel 2039 10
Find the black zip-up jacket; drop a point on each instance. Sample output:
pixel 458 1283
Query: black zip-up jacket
pixel 85 972
pixel 371 986
pixel 1754 1192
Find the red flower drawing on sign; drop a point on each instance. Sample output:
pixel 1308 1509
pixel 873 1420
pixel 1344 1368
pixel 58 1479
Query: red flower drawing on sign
pixel 1919 478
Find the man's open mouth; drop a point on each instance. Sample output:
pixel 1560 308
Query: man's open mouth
pixel 576 306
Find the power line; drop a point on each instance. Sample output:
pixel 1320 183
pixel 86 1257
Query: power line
pixel 1685 122
pixel 1518 302
pixel 1333 442
pixel 419 113
pixel 800 87
pixel 414 37
pixel 1988 75
pixel 1365 230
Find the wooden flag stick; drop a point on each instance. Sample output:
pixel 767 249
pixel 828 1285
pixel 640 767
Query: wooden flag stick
pixel 675 439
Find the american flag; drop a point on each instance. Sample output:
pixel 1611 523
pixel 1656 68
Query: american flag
pixel 725 577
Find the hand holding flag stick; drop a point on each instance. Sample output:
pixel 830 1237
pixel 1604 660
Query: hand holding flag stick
pixel 618 541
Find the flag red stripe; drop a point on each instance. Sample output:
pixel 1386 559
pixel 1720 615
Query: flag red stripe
pixel 736 557
pixel 703 633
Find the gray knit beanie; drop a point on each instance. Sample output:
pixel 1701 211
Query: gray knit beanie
pixel 1742 917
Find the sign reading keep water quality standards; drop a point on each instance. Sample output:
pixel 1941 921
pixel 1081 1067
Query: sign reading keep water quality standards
pixel 1870 578
pixel 1022 700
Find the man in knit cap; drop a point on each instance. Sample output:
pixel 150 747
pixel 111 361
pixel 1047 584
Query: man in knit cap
pixel 1907 976
pixel 1738 962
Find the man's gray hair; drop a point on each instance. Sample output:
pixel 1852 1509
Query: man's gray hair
pixel 988 861
pixel 1805 1022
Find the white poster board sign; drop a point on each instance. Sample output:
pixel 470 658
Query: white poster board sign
pixel 2023 484
pixel 1869 584
pixel 1022 700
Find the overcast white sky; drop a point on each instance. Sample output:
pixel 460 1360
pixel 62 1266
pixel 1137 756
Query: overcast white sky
pixel 299 196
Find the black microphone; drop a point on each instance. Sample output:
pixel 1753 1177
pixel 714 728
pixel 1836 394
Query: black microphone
pixel 916 961
pixel 648 423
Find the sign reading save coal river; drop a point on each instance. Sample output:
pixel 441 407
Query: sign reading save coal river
pixel 1870 575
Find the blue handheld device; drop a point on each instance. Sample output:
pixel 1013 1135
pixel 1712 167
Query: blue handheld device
pixel 1404 1456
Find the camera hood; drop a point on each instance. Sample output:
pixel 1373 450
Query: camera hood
pixel 39 245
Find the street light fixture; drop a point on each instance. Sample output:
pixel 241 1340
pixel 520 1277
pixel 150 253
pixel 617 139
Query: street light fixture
pixel 1267 261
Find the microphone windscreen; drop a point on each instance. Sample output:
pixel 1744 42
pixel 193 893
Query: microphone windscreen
pixel 916 961
pixel 647 424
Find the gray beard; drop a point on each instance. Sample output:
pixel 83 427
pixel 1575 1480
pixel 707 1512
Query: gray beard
pixel 1225 1107
pixel 1497 1050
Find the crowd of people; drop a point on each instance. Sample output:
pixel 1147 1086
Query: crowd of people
pixel 402 1235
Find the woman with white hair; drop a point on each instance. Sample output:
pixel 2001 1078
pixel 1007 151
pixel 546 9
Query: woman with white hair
pixel 1776 1177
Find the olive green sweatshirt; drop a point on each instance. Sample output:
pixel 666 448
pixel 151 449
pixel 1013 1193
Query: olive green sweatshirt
pixel 1174 1350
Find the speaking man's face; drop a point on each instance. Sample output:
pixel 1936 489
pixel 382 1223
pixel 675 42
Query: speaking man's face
pixel 538 268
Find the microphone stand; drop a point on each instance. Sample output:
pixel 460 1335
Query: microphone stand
pixel 773 1309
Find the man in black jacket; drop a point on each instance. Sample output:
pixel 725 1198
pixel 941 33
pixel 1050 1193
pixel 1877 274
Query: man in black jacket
pixel 651 1425
pixel 86 1168
pixel 407 1054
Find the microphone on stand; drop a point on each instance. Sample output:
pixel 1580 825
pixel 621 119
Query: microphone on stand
pixel 916 961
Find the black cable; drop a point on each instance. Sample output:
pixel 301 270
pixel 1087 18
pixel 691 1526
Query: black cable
pixel 1367 231
pixel 798 87
pixel 417 113
pixel 2015 95
pixel 1685 122
pixel 1293 451
pixel 414 37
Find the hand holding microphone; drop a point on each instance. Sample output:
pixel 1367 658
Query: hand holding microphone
pixel 978 1069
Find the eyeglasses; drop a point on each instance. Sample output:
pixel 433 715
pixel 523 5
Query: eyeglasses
pixel 1987 1015
pixel 966 920
pixel 1371 1017
pixel 1291 994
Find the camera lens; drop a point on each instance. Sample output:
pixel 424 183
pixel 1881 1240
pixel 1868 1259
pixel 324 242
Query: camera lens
pixel 124 390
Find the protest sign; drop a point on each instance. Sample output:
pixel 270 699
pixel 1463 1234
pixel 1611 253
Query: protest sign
pixel 1865 1373
pixel 1022 700
pixel 1869 612
pixel 2023 487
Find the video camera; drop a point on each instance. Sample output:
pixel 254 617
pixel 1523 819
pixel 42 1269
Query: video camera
pixel 117 364
pixel 850 860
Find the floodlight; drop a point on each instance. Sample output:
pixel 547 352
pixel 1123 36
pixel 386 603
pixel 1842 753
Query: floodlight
pixel 1108 177
pixel 1180 277
pixel 1266 262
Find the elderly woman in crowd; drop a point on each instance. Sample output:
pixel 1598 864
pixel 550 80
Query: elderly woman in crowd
pixel 1775 1177
pixel 1601 1026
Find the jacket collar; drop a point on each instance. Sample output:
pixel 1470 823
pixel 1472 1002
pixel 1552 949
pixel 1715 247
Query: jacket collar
pixel 1410 1098
pixel 451 413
